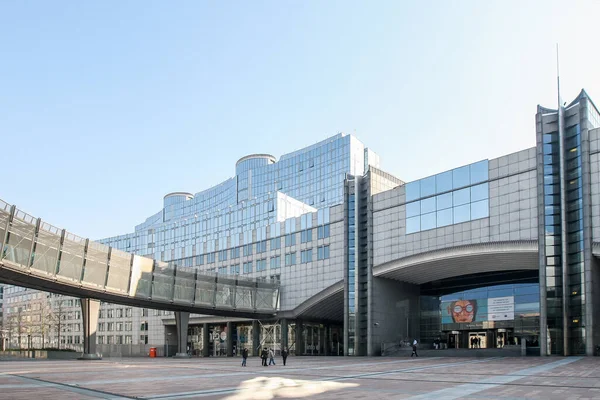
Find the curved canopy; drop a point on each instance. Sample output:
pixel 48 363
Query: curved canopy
pixel 325 305
pixel 461 260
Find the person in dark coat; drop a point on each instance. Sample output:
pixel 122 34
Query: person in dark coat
pixel 284 354
pixel 414 348
pixel 264 355
pixel 244 357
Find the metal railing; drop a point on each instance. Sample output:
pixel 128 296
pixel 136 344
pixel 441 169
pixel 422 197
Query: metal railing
pixel 34 247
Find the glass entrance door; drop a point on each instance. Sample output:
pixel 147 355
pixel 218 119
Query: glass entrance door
pixel 312 340
pixel 477 340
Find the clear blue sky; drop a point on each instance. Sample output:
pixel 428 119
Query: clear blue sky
pixel 106 106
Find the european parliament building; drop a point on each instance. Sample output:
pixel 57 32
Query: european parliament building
pixel 495 254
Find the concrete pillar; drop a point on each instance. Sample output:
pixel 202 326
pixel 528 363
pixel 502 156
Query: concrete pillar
pixel 90 311
pixel 230 329
pixel 299 338
pixel 327 340
pixel 255 338
pixel 181 321
pixel 284 334
pixel 205 340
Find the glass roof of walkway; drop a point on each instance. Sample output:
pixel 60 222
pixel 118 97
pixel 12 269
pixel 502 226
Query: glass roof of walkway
pixel 38 255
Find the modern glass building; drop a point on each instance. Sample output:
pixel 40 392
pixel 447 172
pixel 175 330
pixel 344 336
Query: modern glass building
pixel 489 256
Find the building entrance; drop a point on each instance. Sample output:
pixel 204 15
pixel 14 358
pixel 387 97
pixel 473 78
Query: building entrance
pixel 504 337
pixel 477 340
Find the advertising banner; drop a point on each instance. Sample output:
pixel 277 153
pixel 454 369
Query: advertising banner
pixel 478 310
pixel 501 308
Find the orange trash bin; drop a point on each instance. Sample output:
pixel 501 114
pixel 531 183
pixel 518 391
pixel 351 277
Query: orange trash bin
pixel 152 352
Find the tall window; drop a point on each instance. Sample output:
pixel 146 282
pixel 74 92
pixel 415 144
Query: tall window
pixel 290 258
pixel 275 243
pixel 323 252
pixel 306 256
pixel 248 267
pixel 323 231
pixel 306 236
pixel 290 239
pixel 234 269
pixel 261 265
pixel 275 262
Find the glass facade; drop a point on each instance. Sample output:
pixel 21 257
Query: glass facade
pixel 552 238
pixel 498 316
pixel 208 229
pixel 452 197
pixel 574 238
pixel 351 273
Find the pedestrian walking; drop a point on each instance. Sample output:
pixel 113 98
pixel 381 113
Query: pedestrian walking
pixel 271 357
pixel 244 357
pixel 414 348
pixel 284 354
pixel 263 356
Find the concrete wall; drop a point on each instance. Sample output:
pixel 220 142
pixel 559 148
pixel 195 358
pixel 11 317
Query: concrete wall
pixel 512 214
pixel 393 301
pixel 302 281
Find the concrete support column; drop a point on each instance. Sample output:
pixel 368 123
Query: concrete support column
pixel 299 338
pixel 181 321
pixel 205 340
pixel 327 340
pixel 284 334
pixel 230 329
pixel 90 311
pixel 255 338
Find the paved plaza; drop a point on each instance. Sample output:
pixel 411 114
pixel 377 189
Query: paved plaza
pixel 304 377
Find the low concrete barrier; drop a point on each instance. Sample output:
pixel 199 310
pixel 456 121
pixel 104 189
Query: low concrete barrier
pixel 41 354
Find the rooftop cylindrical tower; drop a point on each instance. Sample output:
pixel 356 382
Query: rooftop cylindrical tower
pixel 253 161
pixel 176 197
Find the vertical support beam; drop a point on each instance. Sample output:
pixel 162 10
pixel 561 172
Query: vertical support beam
pixel 195 286
pixel 254 294
pixel 130 272
pixel 299 338
pixel 234 295
pixel 284 334
pixel 152 280
pixel 90 311
pixel 59 256
pixel 216 286
pixel 255 337
pixel 108 256
pixel 182 319
pixel 230 328
pixel 85 251
pixel 36 231
pixel 6 234
pixel 174 281
pixel 205 340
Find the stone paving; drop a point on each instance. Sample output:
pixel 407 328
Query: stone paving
pixel 439 378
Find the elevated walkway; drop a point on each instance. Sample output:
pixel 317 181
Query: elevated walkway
pixel 37 255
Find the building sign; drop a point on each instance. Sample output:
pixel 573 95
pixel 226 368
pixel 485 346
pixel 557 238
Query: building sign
pixel 501 308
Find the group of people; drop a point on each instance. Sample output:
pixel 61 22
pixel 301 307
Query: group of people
pixel 475 342
pixel 265 354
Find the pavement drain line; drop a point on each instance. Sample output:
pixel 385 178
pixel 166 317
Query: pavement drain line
pixel 70 388
pixel 490 383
